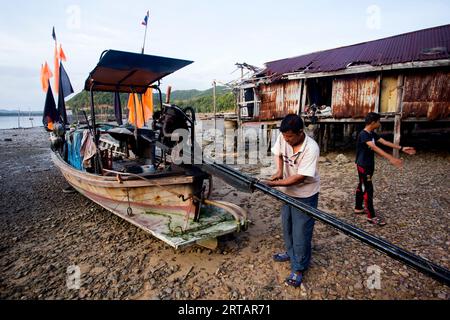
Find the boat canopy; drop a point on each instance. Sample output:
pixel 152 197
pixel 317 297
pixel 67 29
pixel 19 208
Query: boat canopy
pixel 119 71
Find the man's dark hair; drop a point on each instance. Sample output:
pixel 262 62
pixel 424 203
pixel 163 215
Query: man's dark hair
pixel 291 122
pixel 372 117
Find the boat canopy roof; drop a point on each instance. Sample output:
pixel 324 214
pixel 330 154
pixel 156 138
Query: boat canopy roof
pixel 119 71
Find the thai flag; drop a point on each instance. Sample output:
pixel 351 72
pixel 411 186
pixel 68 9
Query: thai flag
pixel 144 23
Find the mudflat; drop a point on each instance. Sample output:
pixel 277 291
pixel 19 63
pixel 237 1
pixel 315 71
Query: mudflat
pixel 45 231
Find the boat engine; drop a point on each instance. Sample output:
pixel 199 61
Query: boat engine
pixel 167 121
pixel 57 137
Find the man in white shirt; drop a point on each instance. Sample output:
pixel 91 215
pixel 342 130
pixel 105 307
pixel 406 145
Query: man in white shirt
pixel 296 157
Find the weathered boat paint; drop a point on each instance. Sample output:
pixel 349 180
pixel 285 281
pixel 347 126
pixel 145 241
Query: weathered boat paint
pixel 155 209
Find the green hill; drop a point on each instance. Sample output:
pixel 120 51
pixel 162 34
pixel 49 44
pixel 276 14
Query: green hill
pixel 201 101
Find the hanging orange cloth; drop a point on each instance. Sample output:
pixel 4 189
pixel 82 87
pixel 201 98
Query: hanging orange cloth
pixel 147 101
pixel 135 112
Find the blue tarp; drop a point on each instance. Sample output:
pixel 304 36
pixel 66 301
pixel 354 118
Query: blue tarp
pixel 73 149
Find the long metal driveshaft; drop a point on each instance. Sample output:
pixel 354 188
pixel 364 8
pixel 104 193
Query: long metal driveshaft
pixel 245 183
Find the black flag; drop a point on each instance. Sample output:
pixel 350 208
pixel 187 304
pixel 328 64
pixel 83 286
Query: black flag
pixel 65 89
pixel 54 34
pixel 51 115
pixel 118 108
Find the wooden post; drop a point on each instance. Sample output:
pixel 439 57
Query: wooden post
pixel 347 133
pixel 398 114
pixel 317 135
pixel 326 137
pixel 299 106
pixel 377 98
pixel 302 108
pixel 333 135
pixel 214 106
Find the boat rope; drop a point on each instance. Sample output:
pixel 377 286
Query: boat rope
pixel 129 209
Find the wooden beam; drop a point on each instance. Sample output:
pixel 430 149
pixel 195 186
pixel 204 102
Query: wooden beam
pixel 364 69
pixel 299 106
pixel 398 114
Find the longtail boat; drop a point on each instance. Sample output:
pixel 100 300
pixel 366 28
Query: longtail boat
pixel 131 172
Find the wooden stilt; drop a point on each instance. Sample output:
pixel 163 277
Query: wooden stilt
pixel 320 139
pixel 326 137
pixel 351 129
pixel 333 135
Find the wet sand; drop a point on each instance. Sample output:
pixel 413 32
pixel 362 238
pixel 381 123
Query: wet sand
pixel 44 231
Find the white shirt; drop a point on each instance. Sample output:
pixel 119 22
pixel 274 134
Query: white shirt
pixel 304 162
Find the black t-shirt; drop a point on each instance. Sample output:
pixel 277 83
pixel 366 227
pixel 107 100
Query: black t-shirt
pixel 365 157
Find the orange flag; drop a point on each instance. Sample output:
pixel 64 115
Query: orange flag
pixel 43 79
pixel 135 113
pixel 147 101
pixel 56 86
pixel 46 74
pixel 61 54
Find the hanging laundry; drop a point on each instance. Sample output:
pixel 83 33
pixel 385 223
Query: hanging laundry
pixel 88 148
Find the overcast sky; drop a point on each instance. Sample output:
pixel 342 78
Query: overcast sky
pixel 214 34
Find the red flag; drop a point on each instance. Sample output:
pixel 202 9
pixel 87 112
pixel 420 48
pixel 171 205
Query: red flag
pixel 61 54
pixel 43 79
pixel 46 74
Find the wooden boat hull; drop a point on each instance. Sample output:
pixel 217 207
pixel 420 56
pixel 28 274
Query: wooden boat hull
pixel 155 205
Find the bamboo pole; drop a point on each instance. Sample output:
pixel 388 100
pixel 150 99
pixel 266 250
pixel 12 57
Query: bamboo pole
pixel 398 114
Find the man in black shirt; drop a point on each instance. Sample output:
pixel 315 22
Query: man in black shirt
pixel 365 161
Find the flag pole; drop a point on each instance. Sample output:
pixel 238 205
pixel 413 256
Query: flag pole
pixel 56 42
pixel 145 36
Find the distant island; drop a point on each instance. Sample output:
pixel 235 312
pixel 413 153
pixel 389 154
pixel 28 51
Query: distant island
pixel 23 113
pixel 201 101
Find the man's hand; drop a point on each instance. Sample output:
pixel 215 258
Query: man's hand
pixel 270 183
pixel 398 163
pixel 409 150
pixel 276 176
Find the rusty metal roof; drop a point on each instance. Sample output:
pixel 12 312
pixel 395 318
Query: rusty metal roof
pixel 422 45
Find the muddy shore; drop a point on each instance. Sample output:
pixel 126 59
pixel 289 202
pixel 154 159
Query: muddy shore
pixel 44 231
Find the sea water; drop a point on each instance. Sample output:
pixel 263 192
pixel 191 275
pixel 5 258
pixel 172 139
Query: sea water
pixel 10 122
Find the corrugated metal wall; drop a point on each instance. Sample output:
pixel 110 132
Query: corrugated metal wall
pixel 355 96
pixel 427 95
pixel 389 91
pixel 279 99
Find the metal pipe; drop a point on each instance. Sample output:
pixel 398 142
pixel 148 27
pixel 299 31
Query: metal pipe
pixel 160 96
pixel 422 265
pixel 98 157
